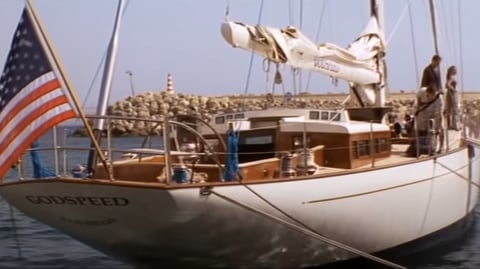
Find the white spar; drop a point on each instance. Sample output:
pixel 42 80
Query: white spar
pixel 290 46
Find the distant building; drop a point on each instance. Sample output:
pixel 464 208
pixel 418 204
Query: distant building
pixel 170 88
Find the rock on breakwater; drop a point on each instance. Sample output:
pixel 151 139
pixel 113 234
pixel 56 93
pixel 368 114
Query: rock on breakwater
pixel 154 106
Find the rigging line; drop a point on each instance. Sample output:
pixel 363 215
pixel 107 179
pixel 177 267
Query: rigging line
pixel 252 55
pixel 267 73
pixel 397 24
pixel 447 34
pixel 460 38
pixel 317 36
pixel 300 72
pixel 97 72
pixel 290 13
pixel 294 81
pixel 15 234
pixel 292 23
pixel 412 34
pixel 308 232
pixel 300 24
pixel 322 12
pixel 454 34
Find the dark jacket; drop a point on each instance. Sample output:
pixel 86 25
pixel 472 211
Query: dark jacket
pixel 430 76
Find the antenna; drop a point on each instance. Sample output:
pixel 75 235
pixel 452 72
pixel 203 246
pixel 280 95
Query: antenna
pixel 227 11
pixel 130 74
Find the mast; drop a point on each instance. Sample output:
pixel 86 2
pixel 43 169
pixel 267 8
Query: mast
pixel 437 52
pixel 434 26
pixel 106 86
pixel 377 11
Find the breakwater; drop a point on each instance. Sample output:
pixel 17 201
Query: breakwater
pixel 154 105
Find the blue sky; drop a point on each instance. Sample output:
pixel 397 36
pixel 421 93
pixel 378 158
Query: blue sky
pixel 183 37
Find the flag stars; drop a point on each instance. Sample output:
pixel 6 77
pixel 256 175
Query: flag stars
pixel 26 62
pixel 25 42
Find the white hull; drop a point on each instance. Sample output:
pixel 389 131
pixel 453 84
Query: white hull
pixel 146 223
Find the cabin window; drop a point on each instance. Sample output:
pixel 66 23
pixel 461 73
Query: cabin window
pixel 361 148
pixel 382 145
pixel 239 116
pixel 264 139
pixel 314 115
pixel 256 146
pixel 229 116
pixel 220 120
pixel 334 116
pixel 324 115
pixel 298 141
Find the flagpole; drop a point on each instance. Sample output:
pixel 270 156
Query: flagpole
pixel 58 68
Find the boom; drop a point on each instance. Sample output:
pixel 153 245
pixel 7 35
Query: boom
pixel 357 64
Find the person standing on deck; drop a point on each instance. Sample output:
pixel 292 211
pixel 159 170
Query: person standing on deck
pixel 431 73
pixel 408 126
pixel 451 99
pixel 429 107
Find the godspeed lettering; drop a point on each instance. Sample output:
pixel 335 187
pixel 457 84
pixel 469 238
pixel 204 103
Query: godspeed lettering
pixel 325 64
pixel 77 200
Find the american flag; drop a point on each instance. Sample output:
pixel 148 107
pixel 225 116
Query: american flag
pixel 31 97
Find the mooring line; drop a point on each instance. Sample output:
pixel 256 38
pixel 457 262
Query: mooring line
pixel 458 174
pixel 15 234
pixel 309 232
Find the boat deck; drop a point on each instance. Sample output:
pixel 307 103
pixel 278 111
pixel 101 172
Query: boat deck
pixel 268 169
pixel 152 170
pixel 399 150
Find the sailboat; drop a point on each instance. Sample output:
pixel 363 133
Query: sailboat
pixel 280 187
